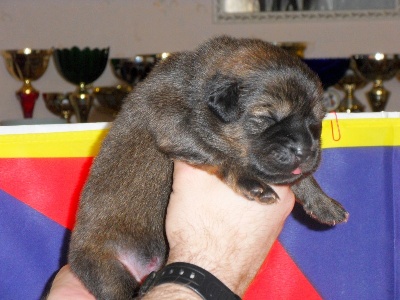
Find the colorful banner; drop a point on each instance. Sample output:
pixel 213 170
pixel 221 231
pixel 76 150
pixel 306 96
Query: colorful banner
pixel 43 168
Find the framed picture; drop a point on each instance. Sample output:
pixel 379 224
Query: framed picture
pixel 284 10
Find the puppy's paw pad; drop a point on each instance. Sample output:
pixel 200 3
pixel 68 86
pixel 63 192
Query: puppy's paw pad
pixel 268 196
pixel 254 190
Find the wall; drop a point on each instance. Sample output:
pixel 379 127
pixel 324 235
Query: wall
pixel 148 26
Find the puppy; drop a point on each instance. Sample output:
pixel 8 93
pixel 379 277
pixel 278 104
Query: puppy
pixel 246 108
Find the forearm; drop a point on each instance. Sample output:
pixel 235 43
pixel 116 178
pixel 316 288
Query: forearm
pixel 225 264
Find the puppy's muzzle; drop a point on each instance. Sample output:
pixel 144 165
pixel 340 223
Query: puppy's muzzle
pixel 288 156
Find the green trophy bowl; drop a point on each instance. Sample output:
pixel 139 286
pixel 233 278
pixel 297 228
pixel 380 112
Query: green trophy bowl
pixel 81 67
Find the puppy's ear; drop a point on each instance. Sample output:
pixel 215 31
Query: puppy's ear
pixel 223 98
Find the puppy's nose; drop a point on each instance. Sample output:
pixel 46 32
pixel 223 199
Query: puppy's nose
pixel 301 153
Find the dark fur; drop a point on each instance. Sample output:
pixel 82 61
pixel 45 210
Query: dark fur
pixel 246 108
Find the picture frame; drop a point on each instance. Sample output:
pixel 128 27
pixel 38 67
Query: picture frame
pixel 318 10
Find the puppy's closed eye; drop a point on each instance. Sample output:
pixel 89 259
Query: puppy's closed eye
pixel 258 124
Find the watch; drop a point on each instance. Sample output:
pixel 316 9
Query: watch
pixel 199 280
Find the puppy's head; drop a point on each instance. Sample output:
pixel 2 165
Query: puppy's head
pixel 265 109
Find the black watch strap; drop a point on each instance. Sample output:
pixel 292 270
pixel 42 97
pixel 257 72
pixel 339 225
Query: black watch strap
pixel 199 280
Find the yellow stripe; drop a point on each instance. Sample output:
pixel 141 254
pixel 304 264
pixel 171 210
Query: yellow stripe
pixel 361 132
pixel 53 144
pixel 353 133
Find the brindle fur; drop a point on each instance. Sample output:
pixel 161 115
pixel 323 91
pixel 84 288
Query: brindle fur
pixel 246 109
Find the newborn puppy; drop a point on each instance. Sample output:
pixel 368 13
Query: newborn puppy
pixel 247 110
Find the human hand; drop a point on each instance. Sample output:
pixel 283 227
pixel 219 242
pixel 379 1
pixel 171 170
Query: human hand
pixel 211 226
pixel 66 286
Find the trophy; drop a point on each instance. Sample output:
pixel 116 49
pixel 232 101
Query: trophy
pixel 110 97
pixel 349 83
pixel 81 67
pixel 377 68
pixel 133 70
pixel 295 48
pixel 59 104
pixel 27 65
pixel 330 71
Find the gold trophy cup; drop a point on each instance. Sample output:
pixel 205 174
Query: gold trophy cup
pixel 27 65
pixel 377 68
pixel 59 104
pixel 350 82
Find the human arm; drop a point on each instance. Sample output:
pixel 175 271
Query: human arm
pixel 211 226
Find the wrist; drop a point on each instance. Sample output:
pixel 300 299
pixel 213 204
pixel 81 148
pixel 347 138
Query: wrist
pixel 193 277
pixel 227 271
pixel 170 291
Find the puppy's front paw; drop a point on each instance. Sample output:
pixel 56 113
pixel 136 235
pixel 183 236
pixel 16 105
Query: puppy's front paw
pixel 328 211
pixel 254 190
